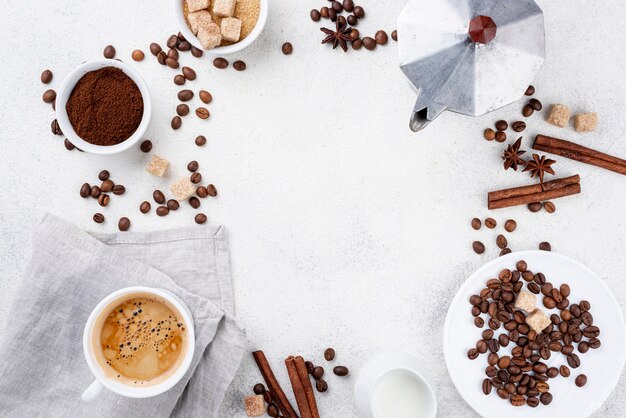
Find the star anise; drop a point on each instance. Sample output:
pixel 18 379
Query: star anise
pixel 340 36
pixel 512 156
pixel 538 166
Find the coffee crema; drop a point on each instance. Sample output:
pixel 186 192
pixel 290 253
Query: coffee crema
pixel 140 340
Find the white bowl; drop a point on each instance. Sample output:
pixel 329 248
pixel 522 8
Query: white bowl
pixel 221 50
pixel 66 90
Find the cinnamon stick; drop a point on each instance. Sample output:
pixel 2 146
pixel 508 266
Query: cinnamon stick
pixel 535 197
pixel 534 188
pixel 277 393
pixel 577 152
pixel 298 388
pixel 308 388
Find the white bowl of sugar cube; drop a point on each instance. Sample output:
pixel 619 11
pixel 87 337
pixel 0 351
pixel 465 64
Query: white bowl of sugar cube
pixel 221 27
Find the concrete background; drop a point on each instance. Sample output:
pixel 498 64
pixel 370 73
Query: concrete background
pixel 346 229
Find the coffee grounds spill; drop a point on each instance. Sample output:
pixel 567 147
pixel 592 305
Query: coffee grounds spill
pixel 105 107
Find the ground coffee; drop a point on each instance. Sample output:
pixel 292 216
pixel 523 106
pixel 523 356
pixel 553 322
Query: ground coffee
pixel 105 107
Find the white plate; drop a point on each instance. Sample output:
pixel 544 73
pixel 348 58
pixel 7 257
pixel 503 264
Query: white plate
pixel 602 366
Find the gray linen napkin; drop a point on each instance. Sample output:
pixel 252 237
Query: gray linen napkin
pixel 42 368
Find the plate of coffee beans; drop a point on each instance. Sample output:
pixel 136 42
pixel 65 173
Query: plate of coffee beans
pixel 534 333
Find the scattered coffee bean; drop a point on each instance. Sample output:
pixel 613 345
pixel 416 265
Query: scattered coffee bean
pixel 162 57
pixel 104 175
pixel 479 322
pixel 545 246
pixel 490 223
pixel 359 12
pixel 500 136
pixel 98 218
pixel 49 96
pixel 138 55
pixel 196 52
pixel 534 207
pixel 109 52
pixel 527 111
pixel 146 146
pixel 145 207
pixel 185 95
pixel 502 125
pixel 478 247
pixel 518 126
pixel 103 199
pixel 549 207
pixel 68 145
pixel 489 134
pixel 220 63
pixel 510 225
pixel 85 190
pixel 318 372
pixel 158 197
pixel 118 190
pixel 357 44
pixel 155 48
pixel 123 224
pixel 354 34
pixel 107 185
pixel 501 241
pixel 182 109
pixel 476 224
pixel 287 48
pixel 324 12
pixel 179 79
pixel 530 90
pixel 95 192
pixel 193 166
pixel 340 370
pixel 239 65
pixel 546 398
pixel 329 354
pixel 272 410
pixel 202 192
pixel 581 380
pixel 195 178
pixel 172 63
pixel 205 96
pixel 381 37
pixel 564 371
pixel 194 202
pixel 189 73
pixel 505 251
pixel 173 204
pixel 315 15
pixel 46 76
pixel 211 190
pixel 535 104
pixel 348 5
pixel 176 122
pixel 200 140
pixel 369 43
pixel 200 218
pixel 203 113
pixel 352 20
pixel 259 389
pixel 394 35
pixel 55 128
pixel 172 41
pixel 162 211
pixel 321 385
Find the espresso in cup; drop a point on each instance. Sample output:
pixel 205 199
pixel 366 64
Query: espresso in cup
pixel 140 339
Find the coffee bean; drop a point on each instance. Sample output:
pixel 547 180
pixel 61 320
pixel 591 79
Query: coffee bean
pixel 144 207
pixel 546 398
pixel 202 192
pixel 239 65
pixel 500 136
pixel 357 44
pixel 95 192
pixel 476 224
pixel 176 122
pixel 315 15
pixel 205 96
pixel 501 241
pixel 146 146
pixel 55 128
pixel 109 52
pixel 309 367
pixel 172 41
pixel 534 288
pixel 189 73
pixel 123 224
pixel 487 385
pixel 565 290
pixel 272 410
pixel 182 109
pixel 107 185
pixel 359 12
pixel 287 48
pixel 535 207
pixel 211 190
pixel 200 140
pixel 195 178
pixel 324 12
pixel 518 126
pixel 173 204
pixel 179 79
pixel 584 305
pixel 172 63
pixel 220 63
pixel 185 95
pixel 321 385
pixel 98 218
pixel 394 35
pixel 348 5
pixel 530 90
pixel 573 360
pixel 581 380
pixel 341 370
pixel 549 207
pixel 478 247
pixel 259 389
pixel 138 55
pixel 193 166
pixel 85 190
pixel 103 199
pixel 46 76
pixel 184 46
pixel 155 48
pixel 479 322
pixel 535 104
pixel 545 246
pixel 161 57
pixel 490 223
pixel 196 52
pixel 352 20
pixel 527 111
pixel 203 113
pixel 517 400
pixel 381 37
pixel 118 190
pixel 329 354
pixel 332 15
pixel 369 43
pixel 594 343
pixel 318 372
pixel 489 134
pixel 162 210
pixel 510 225
pixel 158 197
pixel 502 125
pixel 194 202
pixel 49 96
pixel 564 371
pixel 549 303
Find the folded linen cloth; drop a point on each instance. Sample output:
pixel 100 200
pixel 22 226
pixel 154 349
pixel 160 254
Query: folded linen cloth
pixel 42 367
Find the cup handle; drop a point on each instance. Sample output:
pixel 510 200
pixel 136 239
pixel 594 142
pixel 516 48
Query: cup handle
pixel 91 392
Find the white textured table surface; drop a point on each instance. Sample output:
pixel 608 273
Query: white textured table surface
pixel 346 229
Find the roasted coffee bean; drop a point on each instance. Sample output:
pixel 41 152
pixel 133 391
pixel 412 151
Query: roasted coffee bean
pixel 185 95
pixel 546 398
pixel 155 48
pixel 490 223
pixel 584 305
pixel 172 63
pixel 555 294
pixel 534 288
pixel 341 370
pixel 194 202
pixel 272 410
pixel 581 380
pixel 309 367
pixel 354 34
pixel 202 113
pixel 144 207
pixel 46 76
pixel 200 140
pixel 123 224
pixel 583 347
pixel 193 166
pixel 109 52
pixel 195 178
pixel 104 175
pixel 337 7
pixel 545 246
pixel 493 346
pixel 487 385
pixel 535 104
pixel 179 79
pixel 539 278
pixel 98 218
pixel 158 197
pixel 573 360
pixel 162 57
pixel 359 12
pixel 505 251
pixel 501 241
pixel 202 192
pixel 489 134
pixel 527 110
pixel 510 225
pixel 176 122
pixel 594 343
pixel 479 322
pixel 549 303
pixel 503 375
pixel 566 315
pixel 542 386
pixel 504 362
pixel 564 371
pixel 173 204
pixel 239 65
pixel 394 35
pixel 549 207
pixel 146 146
pixel 107 185
pixel 523 329
pixel 318 372
pixel 315 15
pixel 138 55
pixel 492 359
pixel 118 190
pixel 472 354
pixel 481 346
pixel 162 211
pixel 321 385
pixel 527 275
pixel 381 37
pixel 502 393
pixel 591 332
pixel 172 41
pixel 510 387
pixel 259 389
pixel 211 190
pixel 552 372
pixel 487 334
pixel 565 290
pixel 332 15
pixel 196 52
pixel 49 96
pixel 534 207
pixel 514 370
pixel 182 109
pixel 353 21
pixel 205 96
pixel 55 128
pixel 189 73
pixel 369 43
pixel 287 48
pixel 530 90
pixel 502 125
pixel 476 224
pixel 518 126
pixel 348 5
pixel 95 192
pixel 517 400
pixel 85 190
pixel 220 63
pixel 329 354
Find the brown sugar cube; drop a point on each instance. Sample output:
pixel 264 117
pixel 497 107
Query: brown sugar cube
pixel 183 189
pixel 255 405
pixel 209 36
pixel 224 8
pixel 538 320
pixel 231 29
pixel 559 115
pixel 158 166
pixel 586 122
pixel 195 5
pixel 199 19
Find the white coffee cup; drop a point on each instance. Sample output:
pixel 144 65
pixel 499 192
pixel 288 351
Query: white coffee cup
pixel 105 380
pixel 395 384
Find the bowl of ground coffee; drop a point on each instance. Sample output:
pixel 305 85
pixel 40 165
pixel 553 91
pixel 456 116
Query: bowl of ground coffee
pixel 103 107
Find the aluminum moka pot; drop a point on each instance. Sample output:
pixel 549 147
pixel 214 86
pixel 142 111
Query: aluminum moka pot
pixel 469 56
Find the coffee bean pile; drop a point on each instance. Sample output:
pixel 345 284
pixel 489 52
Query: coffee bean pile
pixel 101 193
pixel 354 14
pixel 501 241
pixel 522 377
